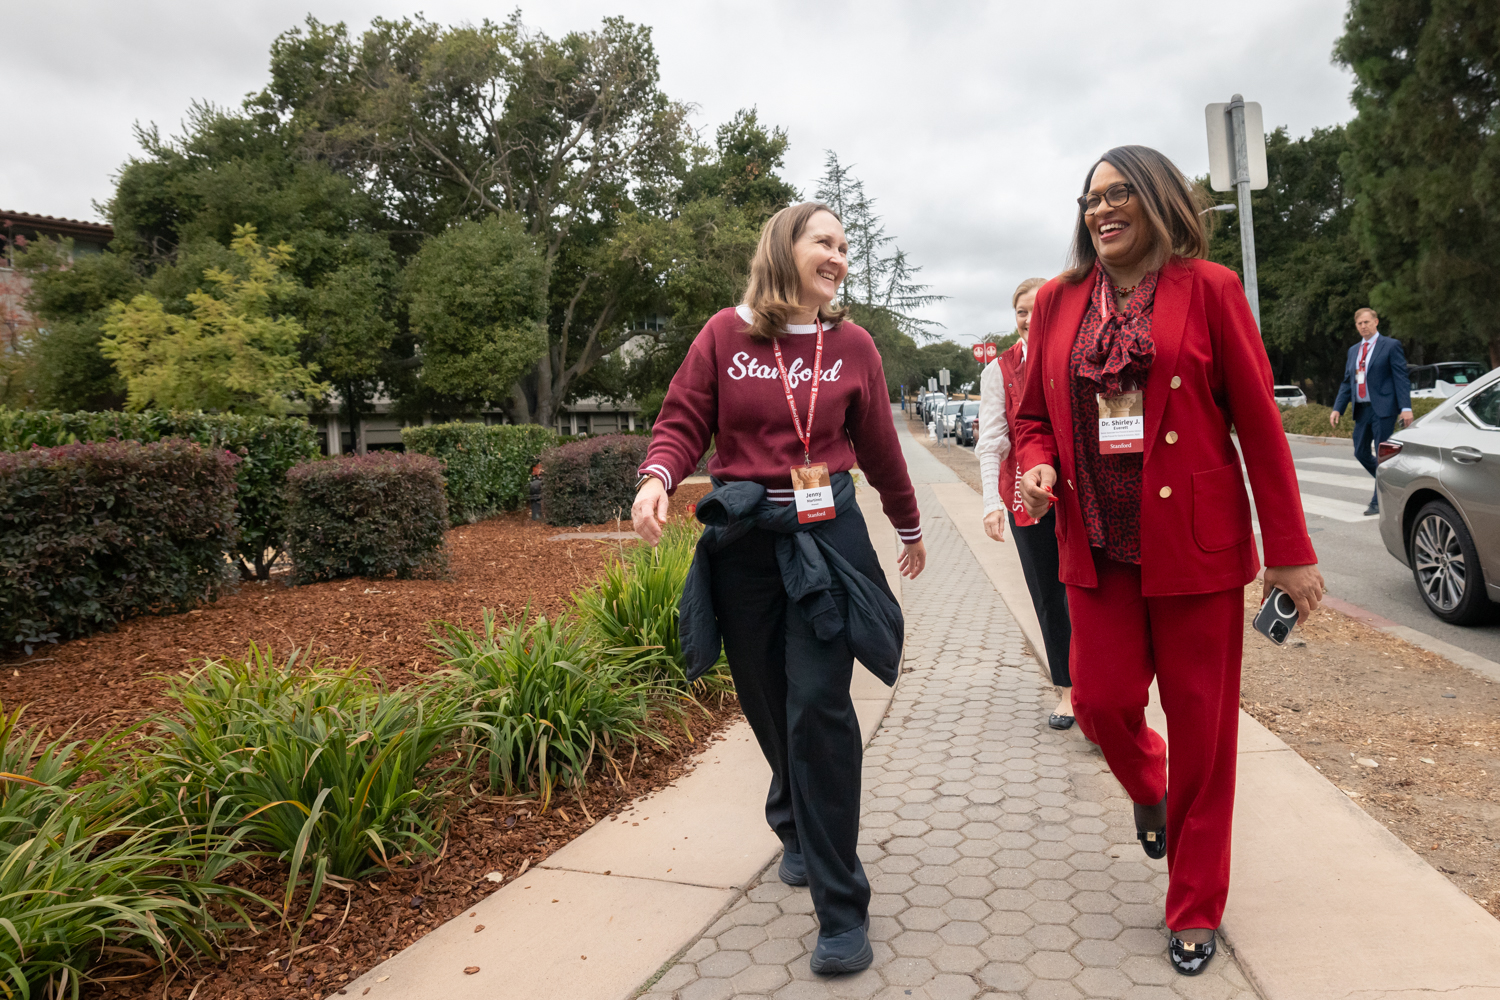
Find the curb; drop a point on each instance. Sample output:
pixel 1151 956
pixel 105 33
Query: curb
pixel 1316 439
pixel 1454 654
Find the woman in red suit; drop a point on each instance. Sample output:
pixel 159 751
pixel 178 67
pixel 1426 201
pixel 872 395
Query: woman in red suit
pixel 1143 358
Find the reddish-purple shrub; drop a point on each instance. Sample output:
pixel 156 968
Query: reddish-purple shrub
pixel 591 481
pixel 366 515
pixel 92 534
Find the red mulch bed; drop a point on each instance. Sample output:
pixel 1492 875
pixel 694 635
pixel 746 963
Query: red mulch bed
pixel 506 563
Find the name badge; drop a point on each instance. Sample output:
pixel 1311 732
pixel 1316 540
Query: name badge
pixel 813 492
pixel 1359 376
pixel 1122 422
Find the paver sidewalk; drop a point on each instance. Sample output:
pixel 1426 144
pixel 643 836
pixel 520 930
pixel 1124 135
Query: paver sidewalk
pixel 1002 854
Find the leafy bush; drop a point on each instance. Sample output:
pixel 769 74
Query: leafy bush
pixel 267 448
pixel 366 515
pixel 85 877
pixel 488 467
pixel 91 534
pixel 1313 418
pixel 591 481
pixel 323 767
pixel 547 700
pixel 632 610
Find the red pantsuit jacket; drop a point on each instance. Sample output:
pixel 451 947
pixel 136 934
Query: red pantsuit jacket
pixel 1210 373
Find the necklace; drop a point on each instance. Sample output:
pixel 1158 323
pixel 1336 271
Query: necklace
pixel 1126 292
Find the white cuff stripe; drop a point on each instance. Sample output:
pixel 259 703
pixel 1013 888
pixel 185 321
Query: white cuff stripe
pixel 666 476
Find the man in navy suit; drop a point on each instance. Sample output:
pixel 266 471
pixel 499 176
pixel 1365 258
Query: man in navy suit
pixel 1375 380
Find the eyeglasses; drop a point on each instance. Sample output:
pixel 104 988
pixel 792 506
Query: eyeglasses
pixel 1115 197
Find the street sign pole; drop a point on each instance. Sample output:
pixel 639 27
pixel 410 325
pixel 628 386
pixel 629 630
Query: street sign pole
pixel 1247 222
pixel 1237 162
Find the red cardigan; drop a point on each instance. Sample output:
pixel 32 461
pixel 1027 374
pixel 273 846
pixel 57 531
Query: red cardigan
pixel 1210 373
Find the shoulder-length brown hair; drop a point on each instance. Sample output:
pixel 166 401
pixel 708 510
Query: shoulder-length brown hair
pixel 1167 200
pixel 775 288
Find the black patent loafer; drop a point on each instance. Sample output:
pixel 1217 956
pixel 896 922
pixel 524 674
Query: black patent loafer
pixel 840 953
pixel 1060 721
pixel 1154 842
pixel 793 870
pixel 1191 959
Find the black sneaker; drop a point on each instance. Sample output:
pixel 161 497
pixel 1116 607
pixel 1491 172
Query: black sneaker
pixel 1372 510
pixel 840 953
pixel 793 870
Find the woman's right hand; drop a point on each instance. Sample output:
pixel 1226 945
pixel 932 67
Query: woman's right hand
pixel 994 525
pixel 1036 490
pixel 649 511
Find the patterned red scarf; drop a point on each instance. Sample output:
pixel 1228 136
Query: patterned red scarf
pixel 1117 346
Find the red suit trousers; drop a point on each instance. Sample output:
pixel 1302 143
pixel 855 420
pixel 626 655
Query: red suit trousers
pixel 1191 645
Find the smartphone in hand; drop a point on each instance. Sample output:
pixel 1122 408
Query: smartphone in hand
pixel 1277 616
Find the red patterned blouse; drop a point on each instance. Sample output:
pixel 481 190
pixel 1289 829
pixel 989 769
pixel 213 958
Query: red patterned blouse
pixel 1111 347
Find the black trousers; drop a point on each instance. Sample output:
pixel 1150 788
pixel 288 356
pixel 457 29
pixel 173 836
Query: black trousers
pixel 1369 430
pixel 1037 546
pixel 794 690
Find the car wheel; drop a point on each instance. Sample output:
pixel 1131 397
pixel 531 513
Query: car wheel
pixel 1445 565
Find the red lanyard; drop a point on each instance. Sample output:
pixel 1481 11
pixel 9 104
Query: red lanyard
pixel 812 404
pixel 1364 354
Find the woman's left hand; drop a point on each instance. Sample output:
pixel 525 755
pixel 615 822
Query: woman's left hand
pixel 913 557
pixel 1303 584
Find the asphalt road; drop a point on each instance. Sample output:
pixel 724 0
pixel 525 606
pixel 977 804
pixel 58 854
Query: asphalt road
pixel 1354 561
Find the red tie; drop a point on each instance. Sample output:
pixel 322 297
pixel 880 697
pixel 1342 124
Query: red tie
pixel 1364 392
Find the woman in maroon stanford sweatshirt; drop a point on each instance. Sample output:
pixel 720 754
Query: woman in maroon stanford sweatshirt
pixel 784 381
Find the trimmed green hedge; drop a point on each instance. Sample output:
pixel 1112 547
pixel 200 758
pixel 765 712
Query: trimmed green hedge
pixel 488 467
pixel 91 534
pixel 366 515
pixel 591 481
pixel 1313 418
pixel 267 447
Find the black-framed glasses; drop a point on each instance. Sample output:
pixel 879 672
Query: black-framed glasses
pixel 1115 196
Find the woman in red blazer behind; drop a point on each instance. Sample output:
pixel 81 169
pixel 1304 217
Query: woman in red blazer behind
pixel 1143 358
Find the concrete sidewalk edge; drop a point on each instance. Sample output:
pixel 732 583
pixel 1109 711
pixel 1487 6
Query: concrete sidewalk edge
pixel 664 871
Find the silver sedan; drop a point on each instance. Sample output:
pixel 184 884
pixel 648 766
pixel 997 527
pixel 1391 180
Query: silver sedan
pixel 1439 487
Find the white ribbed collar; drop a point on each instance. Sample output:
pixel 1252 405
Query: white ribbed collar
pixel 744 313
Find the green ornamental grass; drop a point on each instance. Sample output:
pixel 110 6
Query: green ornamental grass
pixel 88 877
pixel 547 702
pixel 324 768
pixel 632 611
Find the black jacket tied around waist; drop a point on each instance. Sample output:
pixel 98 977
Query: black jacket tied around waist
pixel 812 557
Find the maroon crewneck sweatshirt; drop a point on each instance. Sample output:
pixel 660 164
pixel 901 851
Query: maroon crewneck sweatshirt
pixel 729 391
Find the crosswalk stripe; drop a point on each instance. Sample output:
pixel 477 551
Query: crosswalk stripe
pixel 1342 463
pixel 1338 510
pixel 1335 479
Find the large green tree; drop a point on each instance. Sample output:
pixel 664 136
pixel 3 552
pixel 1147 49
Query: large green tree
pixel 1312 273
pixel 1424 168
pixel 477 297
pixel 231 351
pixel 440 125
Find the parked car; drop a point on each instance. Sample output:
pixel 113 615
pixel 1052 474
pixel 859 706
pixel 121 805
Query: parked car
pixel 1439 487
pixel 968 423
pixel 1289 395
pixel 930 402
pixel 1444 379
pixel 948 418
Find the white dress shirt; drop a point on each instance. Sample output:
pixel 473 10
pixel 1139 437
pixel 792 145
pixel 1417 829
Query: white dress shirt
pixel 993 444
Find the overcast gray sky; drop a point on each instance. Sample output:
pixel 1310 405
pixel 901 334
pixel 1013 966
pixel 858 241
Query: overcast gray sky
pixel 971 123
